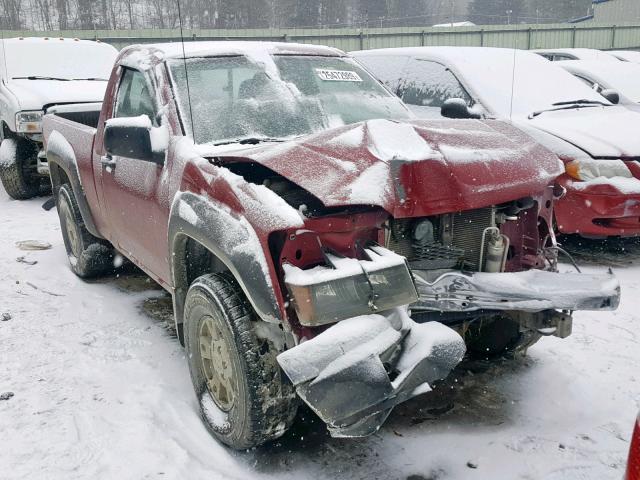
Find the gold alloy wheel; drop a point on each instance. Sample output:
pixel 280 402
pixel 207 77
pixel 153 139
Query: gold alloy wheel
pixel 217 366
pixel 72 232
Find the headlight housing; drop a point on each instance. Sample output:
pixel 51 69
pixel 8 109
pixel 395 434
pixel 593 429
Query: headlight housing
pixel 350 287
pixel 29 121
pixel 590 169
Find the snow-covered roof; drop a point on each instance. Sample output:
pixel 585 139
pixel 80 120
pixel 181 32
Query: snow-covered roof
pixel 214 48
pixel 8 42
pixel 579 53
pixel 67 58
pixel 621 76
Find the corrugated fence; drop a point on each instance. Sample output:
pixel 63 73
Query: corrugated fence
pixel 520 36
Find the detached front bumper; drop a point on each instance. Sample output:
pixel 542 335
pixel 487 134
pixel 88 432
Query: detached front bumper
pixel 354 373
pixel 530 291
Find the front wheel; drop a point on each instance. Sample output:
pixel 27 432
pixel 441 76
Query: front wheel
pixel 18 163
pixel 244 398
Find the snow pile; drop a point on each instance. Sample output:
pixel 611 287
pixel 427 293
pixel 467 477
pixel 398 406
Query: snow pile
pixel 187 213
pixel 372 186
pixel 8 152
pixel 464 155
pixel 388 140
pixel 141 58
pixel 344 267
pixel 142 121
pixel 261 202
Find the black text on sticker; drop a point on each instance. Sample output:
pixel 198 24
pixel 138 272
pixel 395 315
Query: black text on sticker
pixel 338 75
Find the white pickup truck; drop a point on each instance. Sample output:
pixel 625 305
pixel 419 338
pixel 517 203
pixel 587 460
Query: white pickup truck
pixel 39 76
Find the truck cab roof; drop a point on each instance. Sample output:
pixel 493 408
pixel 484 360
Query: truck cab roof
pixel 143 57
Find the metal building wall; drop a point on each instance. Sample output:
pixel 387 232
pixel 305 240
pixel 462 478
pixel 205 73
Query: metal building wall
pixel 617 11
pixel 519 36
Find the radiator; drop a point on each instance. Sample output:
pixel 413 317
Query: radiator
pixel 458 238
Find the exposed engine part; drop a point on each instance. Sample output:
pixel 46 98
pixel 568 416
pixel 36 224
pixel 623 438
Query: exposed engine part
pixel 496 246
pixel 446 241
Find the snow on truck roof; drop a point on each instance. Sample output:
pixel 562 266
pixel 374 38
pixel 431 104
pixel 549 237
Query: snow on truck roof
pixel 161 51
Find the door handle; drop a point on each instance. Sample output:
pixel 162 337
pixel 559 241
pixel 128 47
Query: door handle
pixel 108 162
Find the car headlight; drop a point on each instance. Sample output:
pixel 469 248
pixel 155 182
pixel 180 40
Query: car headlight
pixel 29 122
pixel 350 287
pixel 590 169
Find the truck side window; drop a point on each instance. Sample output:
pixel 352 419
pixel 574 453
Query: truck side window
pixel 134 98
pixel 429 84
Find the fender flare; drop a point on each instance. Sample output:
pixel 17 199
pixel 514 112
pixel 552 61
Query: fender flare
pixel 60 153
pixel 213 225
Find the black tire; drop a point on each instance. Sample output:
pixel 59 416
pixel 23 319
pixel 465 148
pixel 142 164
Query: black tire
pixel 18 175
pixel 261 403
pixel 497 336
pixel 89 256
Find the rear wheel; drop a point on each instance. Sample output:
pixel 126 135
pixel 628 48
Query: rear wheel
pixel 89 256
pixel 499 335
pixel 18 163
pixel 245 400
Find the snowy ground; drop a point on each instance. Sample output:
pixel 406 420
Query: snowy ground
pixel 101 390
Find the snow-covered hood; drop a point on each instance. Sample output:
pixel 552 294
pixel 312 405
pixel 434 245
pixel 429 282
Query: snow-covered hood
pixel 35 94
pixel 411 169
pixel 607 132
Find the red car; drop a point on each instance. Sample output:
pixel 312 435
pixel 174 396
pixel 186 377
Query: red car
pixel 633 467
pixel 294 209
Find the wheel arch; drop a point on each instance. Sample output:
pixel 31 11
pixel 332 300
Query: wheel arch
pixel 63 169
pixel 198 246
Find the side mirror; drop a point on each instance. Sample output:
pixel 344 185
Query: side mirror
pixel 131 138
pixel 457 108
pixel 612 95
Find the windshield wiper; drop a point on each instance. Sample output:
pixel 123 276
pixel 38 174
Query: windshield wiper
pixel 580 102
pixel 33 77
pixel 249 141
pixel 568 105
pixel 92 79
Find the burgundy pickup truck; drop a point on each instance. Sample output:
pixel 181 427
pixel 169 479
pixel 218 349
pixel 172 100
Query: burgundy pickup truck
pixel 318 241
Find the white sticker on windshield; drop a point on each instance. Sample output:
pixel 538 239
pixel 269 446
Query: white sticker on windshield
pixel 338 75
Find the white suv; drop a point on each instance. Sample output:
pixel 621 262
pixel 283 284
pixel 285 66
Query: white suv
pixel 38 76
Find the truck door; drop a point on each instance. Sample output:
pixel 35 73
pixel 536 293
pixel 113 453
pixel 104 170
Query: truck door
pixel 137 218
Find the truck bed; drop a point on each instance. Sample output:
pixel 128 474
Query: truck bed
pixel 85 113
pixel 68 138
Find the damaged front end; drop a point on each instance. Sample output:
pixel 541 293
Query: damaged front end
pixel 354 373
pixel 376 357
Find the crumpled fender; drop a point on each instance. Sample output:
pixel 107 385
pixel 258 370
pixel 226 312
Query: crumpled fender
pixel 61 154
pixel 354 373
pixel 214 226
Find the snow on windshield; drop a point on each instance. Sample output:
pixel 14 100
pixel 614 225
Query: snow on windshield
pixel 280 96
pixel 537 83
pixel 65 59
